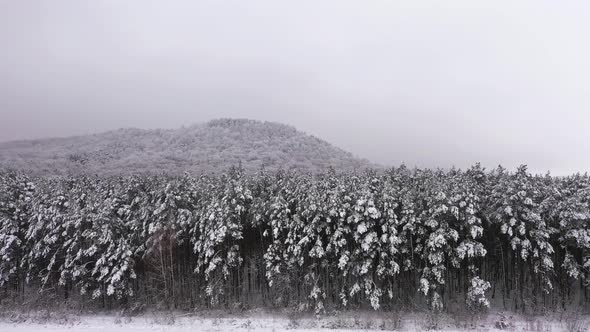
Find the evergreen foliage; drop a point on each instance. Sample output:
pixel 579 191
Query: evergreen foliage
pixel 400 238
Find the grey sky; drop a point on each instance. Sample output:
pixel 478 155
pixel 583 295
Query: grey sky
pixel 429 83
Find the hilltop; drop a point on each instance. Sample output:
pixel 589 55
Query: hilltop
pixel 201 148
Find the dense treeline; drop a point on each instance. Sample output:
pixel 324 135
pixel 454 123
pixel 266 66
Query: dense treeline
pixel 403 238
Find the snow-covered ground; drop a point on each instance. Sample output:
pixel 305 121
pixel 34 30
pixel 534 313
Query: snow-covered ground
pixel 350 322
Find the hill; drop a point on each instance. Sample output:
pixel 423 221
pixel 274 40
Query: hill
pixel 208 147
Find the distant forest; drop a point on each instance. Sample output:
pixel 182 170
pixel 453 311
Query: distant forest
pixel 396 239
pixel 211 147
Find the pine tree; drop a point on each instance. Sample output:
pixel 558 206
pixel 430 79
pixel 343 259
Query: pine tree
pixel 16 192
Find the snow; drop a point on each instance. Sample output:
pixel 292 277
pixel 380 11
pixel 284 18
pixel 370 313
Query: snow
pixel 349 321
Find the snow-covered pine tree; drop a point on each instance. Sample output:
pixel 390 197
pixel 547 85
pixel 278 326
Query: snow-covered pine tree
pixel 514 205
pixel 16 192
pixel 219 231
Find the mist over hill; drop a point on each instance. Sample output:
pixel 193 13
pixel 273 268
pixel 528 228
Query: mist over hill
pixel 203 148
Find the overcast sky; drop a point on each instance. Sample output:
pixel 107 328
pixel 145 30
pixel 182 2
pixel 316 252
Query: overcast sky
pixel 428 83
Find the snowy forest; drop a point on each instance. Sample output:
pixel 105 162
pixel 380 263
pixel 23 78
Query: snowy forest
pixel 416 239
pixel 207 147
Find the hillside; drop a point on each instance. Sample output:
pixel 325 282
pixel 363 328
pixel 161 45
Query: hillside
pixel 208 147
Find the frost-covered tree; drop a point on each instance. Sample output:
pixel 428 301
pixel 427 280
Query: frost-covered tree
pixel 220 226
pixel 16 192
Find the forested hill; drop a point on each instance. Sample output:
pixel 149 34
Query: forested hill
pixel 208 147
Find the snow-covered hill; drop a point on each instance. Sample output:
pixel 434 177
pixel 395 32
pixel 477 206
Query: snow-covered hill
pixel 208 147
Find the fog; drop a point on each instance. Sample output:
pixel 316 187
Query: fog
pixel 428 83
